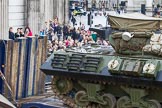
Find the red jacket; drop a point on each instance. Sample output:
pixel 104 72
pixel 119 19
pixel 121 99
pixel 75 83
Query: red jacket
pixel 30 34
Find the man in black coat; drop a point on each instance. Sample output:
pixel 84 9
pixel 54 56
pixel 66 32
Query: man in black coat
pixel 11 34
pixel 59 32
pixel 65 32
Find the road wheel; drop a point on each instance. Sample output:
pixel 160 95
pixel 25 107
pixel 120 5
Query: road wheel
pixel 61 86
pixel 81 99
pixel 154 104
pixel 110 101
pixel 123 102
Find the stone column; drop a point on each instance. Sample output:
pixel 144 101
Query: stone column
pixel 60 11
pixel 49 10
pixel 39 11
pixel 36 14
pixel 66 11
pixel 4 19
pixel 55 7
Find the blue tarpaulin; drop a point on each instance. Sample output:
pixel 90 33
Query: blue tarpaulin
pixel 2 61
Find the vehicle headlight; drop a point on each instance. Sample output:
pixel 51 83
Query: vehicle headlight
pixel 113 64
pixel 127 36
pixel 149 68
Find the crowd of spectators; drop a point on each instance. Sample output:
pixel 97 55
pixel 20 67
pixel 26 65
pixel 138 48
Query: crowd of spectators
pixel 60 36
pixel 66 36
pixel 20 33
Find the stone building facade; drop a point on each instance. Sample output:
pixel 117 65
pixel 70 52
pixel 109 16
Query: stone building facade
pixel 136 4
pixel 131 4
pixel 108 3
pixel 32 13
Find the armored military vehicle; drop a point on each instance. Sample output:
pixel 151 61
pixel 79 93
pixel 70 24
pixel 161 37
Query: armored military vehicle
pixel 129 78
